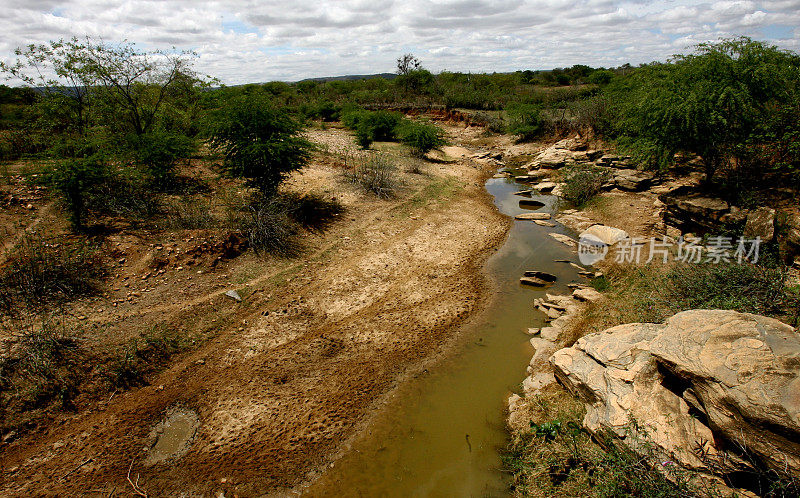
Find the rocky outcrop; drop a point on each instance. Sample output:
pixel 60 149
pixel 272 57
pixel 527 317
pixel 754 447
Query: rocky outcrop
pixel 563 153
pixel 702 386
pixel 633 180
pixel 689 210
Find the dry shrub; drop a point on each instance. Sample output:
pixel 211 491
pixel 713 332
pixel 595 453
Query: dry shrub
pixel 42 270
pixel 374 173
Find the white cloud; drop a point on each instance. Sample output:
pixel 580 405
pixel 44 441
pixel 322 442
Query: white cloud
pixel 258 40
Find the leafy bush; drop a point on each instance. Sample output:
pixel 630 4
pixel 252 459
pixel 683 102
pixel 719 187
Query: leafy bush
pixel 364 136
pixel 325 110
pixel 158 151
pixel 17 143
pixel 746 288
pixel 373 173
pixel 652 293
pixel 594 114
pixel 273 224
pixel 525 120
pixel 73 179
pixel 260 142
pixel 372 126
pixel 41 270
pixel 421 137
pixel 189 214
pixel 583 182
pixel 493 123
pixel 328 111
pixel 123 193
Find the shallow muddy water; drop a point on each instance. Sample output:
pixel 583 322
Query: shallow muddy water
pixel 442 433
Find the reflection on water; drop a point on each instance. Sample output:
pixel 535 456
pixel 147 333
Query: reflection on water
pixel 441 434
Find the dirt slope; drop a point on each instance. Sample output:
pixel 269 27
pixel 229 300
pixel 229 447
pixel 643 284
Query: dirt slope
pixel 299 363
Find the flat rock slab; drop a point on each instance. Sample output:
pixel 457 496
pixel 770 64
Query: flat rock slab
pixel 544 223
pixel 760 223
pixel 534 282
pixel 545 186
pixel 532 216
pixel 564 239
pixel 524 193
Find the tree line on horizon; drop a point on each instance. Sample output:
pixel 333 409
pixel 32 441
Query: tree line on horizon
pixel 112 113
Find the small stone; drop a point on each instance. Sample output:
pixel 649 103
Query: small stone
pixel 234 295
pixel 541 275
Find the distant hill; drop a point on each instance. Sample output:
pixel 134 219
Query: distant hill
pixel 388 76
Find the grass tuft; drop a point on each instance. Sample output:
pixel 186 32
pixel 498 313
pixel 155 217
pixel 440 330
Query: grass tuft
pixel 42 270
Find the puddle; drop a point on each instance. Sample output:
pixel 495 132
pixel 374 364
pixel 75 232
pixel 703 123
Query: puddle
pixel 442 433
pixel 173 436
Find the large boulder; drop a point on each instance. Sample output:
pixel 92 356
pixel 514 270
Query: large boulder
pixel 605 234
pixel 700 387
pixel 760 223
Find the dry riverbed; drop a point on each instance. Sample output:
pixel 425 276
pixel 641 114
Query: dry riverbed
pixel 287 374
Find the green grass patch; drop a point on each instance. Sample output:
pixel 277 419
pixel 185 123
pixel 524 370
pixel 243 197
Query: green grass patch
pixel 440 190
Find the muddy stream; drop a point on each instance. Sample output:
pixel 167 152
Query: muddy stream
pixel 442 433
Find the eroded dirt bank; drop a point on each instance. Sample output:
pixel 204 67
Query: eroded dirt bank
pixel 306 360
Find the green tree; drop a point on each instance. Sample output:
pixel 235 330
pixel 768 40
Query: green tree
pixel 136 86
pixel 59 70
pixel 525 120
pixel 259 141
pixel 74 178
pixel 716 102
pixel 158 151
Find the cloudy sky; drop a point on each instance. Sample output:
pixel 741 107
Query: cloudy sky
pixel 242 41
